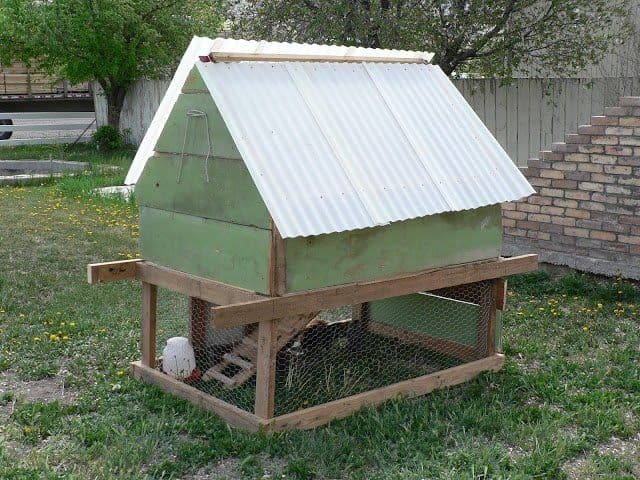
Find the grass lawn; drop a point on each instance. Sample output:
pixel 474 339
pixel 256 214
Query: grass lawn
pixel 566 405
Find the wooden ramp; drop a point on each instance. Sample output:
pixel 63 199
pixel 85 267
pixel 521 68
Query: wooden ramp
pixel 242 358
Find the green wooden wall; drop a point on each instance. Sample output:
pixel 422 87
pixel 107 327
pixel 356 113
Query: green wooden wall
pixel 234 254
pixel 229 195
pixel 402 247
pixel 172 137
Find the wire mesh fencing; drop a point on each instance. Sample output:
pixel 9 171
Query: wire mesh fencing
pixel 330 354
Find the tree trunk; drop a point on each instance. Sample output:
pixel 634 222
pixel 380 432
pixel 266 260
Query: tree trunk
pixel 115 100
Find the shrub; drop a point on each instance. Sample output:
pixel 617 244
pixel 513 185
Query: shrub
pixel 108 138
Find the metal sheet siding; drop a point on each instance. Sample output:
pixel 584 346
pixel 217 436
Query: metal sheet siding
pixel 335 147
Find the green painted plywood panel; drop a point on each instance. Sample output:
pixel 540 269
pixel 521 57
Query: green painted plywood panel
pixel 173 137
pixel 229 195
pixel 233 254
pixel 402 247
pixel 194 82
pixel 430 315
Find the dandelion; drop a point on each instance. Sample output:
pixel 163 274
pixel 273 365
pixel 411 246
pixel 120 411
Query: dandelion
pixel 54 338
pixel 36 339
pixel 27 430
pixel 599 306
pixel 520 313
pixel 585 328
pixel 120 373
pixel 72 324
pixel 65 337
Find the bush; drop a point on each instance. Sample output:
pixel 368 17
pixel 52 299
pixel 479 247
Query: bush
pixel 108 138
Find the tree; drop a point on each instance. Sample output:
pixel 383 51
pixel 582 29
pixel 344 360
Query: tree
pixel 487 37
pixel 113 42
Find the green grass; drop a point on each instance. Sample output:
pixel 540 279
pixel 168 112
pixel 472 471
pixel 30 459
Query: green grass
pixel 570 386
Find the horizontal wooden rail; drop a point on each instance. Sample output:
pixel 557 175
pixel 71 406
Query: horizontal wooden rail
pixel 319 415
pixel 137 269
pixel 297 57
pixel 354 293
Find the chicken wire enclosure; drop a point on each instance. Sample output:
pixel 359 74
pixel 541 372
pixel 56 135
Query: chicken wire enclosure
pixel 327 355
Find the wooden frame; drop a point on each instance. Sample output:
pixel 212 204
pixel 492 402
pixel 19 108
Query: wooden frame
pixel 270 308
pixel 273 310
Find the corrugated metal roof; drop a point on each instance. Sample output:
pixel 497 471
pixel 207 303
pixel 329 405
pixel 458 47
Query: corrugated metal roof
pixel 204 46
pixel 335 147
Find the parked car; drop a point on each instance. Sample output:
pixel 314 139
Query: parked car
pixel 5 121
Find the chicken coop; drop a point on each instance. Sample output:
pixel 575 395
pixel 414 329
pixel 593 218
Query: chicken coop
pixel 323 224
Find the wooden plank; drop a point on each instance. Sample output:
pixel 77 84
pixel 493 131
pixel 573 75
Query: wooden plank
pixel 266 369
pixel 512 121
pixel 501 292
pixel 364 255
pixel 571 106
pixel 490 104
pixel 277 263
pixel 546 116
pixel 321 414
pixel 112 271
pixel 491 320
pixel 522 125
pixel 350 294
pixel 501 116
pixel 226 252
pixel 557 119
pixel 149 306
pixel 307 57
pixel 205 289
pixel 446 347
pixel 536 99
pixel 231 414
pixel 229 195
pixel 194 134
pixel 198 313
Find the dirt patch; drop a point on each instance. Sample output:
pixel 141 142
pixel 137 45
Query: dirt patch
pixel 262 466
pixel 585 467
pixel 44 390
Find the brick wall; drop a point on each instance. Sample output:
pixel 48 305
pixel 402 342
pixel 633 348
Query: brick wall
pixel 586 213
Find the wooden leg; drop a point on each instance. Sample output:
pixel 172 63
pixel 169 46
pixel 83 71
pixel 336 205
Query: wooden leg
pixel 149 304
pixel 266 369
pixel 491 322
pixel 199 315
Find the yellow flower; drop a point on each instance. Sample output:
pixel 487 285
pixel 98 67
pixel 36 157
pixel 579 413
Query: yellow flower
pixel 120 373
pixel 72 324
pixel 599 305
pixel 66 337
pixel 36 339
pixel 585 328
pixel 27 430
pixel 54 338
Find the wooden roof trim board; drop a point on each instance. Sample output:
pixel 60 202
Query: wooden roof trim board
pixel 292 57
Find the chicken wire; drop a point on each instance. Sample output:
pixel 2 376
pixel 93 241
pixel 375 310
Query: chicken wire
pixel 331 354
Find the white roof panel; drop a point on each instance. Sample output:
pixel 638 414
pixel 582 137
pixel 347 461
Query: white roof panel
pixel 343 146
pixel 201 46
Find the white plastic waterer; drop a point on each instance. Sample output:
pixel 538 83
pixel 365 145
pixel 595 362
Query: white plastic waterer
pixel 178 358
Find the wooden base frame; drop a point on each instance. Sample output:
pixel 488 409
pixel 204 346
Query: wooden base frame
pixel 320 414
pixel 236 307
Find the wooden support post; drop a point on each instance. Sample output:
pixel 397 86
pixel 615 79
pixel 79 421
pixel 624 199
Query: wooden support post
pixel 491 319
pixel 266 369
pixel 501 292
pixel 149 305
pixel 199 318
pixel 277 265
